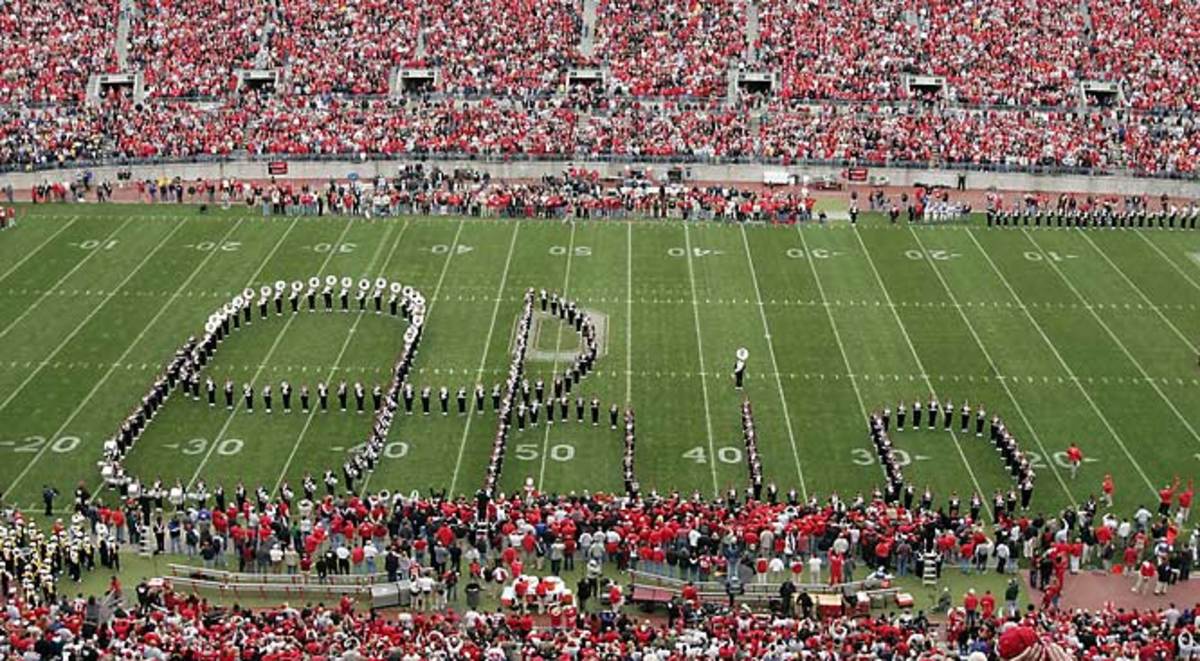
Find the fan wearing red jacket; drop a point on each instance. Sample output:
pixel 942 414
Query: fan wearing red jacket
pixel 1166 496
pixel 1185 502
pixel 1075 459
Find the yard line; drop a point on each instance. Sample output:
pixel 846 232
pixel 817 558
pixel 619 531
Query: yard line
pixel 46 294
pixel 1166 258
pixel 712 452
pixel 1117 340
pixel 1061 361
pixel 453 250
pixel 262 264
pixel 557 348
pixel 628 313
pixel 487 342
pixel 787 416
pixel 341 352
pixel 78 327
pixel 921 368
pixel 113 367
pixel 29 255
pixel 1139 291
pixel 270 351
pixel 996 370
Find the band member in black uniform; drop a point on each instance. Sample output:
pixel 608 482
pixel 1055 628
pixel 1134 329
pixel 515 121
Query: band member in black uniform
pixel 341 395
pixel 595 411
pixel 917 414
pixel 248 393
pixel 613 412
pixel 522 410
pixel 901 413
pixel 947 415
pixel 327 295
pixel 579 403
pixel 495 398
pixel 266 395
pixel 263 304
pixel 229 394
pixel 360 395
pixel 425 393
pixel 739 373
pixel 311 295
pixel 285 392
pixel 461 399
pixel 564 406
pixel 965 418
pixel 344 299
pixel 376 397
pixel 408 398
pixel 304 397
pixel 539 390
pixel 980 420
pixel 534 409
pixel 933 413
pixel 211 389
pixel 323 396
pixel 479 398
pixel 444 399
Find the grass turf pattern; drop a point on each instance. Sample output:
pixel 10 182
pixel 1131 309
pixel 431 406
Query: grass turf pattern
pixel 1088 336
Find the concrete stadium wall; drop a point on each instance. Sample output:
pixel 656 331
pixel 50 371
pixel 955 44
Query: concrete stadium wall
pixel 733 173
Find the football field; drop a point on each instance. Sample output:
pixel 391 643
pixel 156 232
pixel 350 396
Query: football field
pixel 1085 336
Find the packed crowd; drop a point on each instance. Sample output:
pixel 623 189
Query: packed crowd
pixel 1011 53
pixel 311 126
pixel 497 538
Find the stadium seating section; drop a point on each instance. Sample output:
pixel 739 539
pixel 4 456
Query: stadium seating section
pixel 996 84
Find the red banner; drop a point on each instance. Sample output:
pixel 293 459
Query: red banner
pixel 277 167
pixel 855 174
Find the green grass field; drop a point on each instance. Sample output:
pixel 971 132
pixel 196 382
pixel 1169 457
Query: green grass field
pixel 1071 336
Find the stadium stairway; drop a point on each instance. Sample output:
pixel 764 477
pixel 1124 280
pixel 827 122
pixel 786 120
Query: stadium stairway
pixel 587 39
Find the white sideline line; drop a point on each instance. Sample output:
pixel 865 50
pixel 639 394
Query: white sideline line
pixel 557 349
pixel 1139 291
pixel 341 352
pixel 1062 361
pixel 1167 259
pixel 787 416
pixel 129 349
pixel 78 327
pixel 712 452
pixel 487 342
pixel 428 310
pixel 78 265
pixel 1119 343
pixel 921 366
pixel 29 255
pixel 274 345
pixel 996 370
